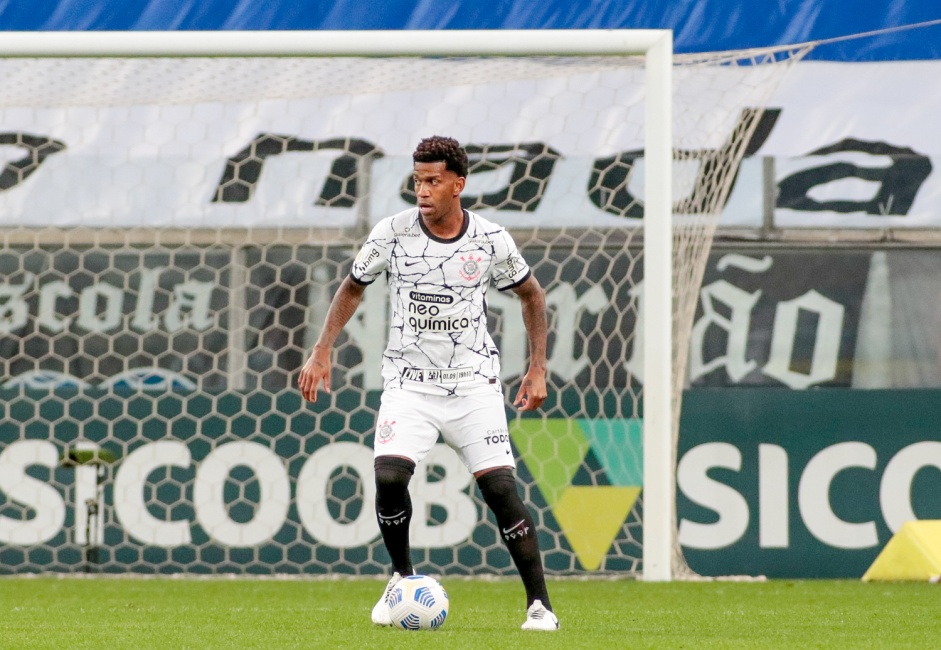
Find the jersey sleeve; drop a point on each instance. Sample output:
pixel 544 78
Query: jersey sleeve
pixel 373 258
pixel 509 268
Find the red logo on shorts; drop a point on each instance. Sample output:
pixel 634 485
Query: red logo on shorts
pixel 384 432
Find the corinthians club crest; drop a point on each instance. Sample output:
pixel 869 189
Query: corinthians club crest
pixel 470 267
pixel 385 433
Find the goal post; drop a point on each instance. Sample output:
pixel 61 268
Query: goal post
pixel 659 474
pixel 179 136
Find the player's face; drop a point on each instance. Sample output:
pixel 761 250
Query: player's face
pixel 437 190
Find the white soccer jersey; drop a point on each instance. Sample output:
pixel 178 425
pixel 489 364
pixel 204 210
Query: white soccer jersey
pixel 438 339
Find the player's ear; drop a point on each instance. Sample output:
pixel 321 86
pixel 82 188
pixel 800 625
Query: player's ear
pixel 459 185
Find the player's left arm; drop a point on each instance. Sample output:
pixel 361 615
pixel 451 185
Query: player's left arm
pixel 533 392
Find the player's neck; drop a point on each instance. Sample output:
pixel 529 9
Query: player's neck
pixel 447 226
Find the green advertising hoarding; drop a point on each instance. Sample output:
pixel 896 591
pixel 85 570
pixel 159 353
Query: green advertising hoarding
pixel 804 483
pixel 255 483
pixel 770 482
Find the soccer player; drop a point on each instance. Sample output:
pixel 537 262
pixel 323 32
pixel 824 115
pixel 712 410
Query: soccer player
pixel 441 369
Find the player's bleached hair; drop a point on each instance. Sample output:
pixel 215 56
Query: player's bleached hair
pixel 439 148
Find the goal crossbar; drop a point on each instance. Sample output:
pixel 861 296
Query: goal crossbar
pixel 511 42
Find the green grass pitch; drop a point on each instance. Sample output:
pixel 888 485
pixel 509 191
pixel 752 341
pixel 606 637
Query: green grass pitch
pixel 58 613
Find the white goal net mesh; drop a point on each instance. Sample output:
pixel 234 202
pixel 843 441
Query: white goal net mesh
pixel 173 231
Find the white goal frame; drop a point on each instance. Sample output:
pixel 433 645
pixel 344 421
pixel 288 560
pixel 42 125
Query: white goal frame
pixel 655 45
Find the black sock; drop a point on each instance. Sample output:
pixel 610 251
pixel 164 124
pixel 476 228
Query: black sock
pixel 517 529
pixel 394 509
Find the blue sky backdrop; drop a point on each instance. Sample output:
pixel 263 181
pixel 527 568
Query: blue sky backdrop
pixel 700 25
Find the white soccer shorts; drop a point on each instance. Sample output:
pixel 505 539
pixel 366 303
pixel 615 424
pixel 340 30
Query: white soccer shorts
pixel 474 426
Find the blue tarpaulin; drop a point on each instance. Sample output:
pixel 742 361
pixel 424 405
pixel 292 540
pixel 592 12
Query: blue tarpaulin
pixel 699 25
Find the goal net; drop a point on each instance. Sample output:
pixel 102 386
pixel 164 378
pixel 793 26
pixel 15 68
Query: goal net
pixel 174 226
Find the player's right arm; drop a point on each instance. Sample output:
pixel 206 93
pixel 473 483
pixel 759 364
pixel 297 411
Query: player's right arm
pixel 317 367
pixel 369 264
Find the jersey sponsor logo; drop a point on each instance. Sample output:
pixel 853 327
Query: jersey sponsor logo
pixel 425 317
pixel 470 269
pixel 438 375
pixel 418 296
pixel 514 265
pixel 364 258
pixel 405 233
pixel 451 375
pixel 413 374
pixel 431 324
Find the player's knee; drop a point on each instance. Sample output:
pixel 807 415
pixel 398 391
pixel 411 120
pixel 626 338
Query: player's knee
pixel 393 472
pixel 498 486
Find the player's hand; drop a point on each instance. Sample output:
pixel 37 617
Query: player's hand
pixel 316 369
pixel 532 392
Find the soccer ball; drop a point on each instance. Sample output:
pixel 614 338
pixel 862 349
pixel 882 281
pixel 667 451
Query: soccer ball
pixel 418 603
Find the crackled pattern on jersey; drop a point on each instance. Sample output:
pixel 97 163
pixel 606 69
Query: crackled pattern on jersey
pixel 438 338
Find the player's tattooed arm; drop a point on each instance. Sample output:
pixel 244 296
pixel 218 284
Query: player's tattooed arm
pixel 318 365
pixel 533 391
